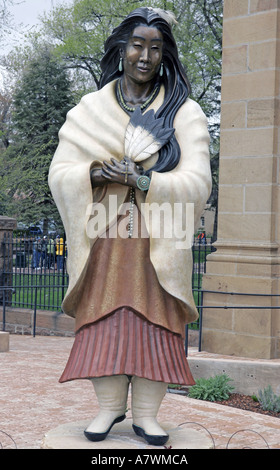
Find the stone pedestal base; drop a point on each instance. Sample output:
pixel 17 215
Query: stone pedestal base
pixel 4 341
pixel 245 279
pixel 122 436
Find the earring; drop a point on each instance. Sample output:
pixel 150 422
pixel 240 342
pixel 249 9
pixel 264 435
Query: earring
pixel 161 70
pixel 121 65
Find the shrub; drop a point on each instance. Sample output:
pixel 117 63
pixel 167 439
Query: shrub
pixel 212 389
pixel 268 400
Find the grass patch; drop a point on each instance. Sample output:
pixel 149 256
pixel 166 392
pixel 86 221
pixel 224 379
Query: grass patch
pixel 44 290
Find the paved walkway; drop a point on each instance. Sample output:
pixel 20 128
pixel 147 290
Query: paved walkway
pixel 32 402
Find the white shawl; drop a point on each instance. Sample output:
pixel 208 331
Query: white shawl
pixel 94 131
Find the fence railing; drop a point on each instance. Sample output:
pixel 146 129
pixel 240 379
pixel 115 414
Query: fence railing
pixel 36 270
pixel 34 273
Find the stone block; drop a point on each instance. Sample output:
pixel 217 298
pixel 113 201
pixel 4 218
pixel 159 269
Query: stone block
pixel 276 316
pixel 254 322
pixel 53 321
pixel 247 143
pixel 19 316
pixel 235 60
pixel 263 113
pixel 249 86
pixel 4 341
pixel 263 56
pixel 240 284
pixel 253 170
pixel 233 115
pixel 277 347
pixel 249 29
pixel 258 198
pixel 277 77
pixel 219 268
pixel 253 269
pixel 257 6
pixel 245 226
pixel 233 344
pixel 218 318
pixel 233 8
pixel 231 198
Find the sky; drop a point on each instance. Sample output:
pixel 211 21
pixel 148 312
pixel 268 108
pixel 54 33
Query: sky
pixel 27 12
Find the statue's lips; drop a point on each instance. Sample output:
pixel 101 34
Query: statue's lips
pixel 143 69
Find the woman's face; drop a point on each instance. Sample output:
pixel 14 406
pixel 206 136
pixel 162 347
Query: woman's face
pixel 143 54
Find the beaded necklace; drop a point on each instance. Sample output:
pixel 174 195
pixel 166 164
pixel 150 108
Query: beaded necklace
pixel 130 109
pixel 143 106
pixel 131 214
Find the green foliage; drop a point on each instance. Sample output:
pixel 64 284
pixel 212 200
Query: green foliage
pixel 75 34
pixel 80 30
pixel 268 400
pixel 212 389
pixel 199 39
pixel 41 101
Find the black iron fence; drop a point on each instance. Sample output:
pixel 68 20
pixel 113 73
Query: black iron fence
pixel 36 270
pixel 34 273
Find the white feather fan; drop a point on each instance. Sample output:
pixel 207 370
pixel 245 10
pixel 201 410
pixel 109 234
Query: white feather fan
pixel 145 135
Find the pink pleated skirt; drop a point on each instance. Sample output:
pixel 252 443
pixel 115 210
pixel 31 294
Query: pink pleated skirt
pixel 127 344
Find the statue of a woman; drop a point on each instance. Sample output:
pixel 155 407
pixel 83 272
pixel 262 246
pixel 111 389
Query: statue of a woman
pixel 141 143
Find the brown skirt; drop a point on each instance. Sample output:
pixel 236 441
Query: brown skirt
pixel 126 323
pixel 125 343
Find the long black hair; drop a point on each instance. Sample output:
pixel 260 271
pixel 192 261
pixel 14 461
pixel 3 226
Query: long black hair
pixel 174 79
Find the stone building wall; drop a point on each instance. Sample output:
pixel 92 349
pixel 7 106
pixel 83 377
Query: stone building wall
pixel 247 257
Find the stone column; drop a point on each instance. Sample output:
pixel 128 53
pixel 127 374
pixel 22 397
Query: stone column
pixel 247 257
pixel 7 225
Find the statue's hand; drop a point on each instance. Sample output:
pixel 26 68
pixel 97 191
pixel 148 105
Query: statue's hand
pixel 97 178
pixel 124 172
